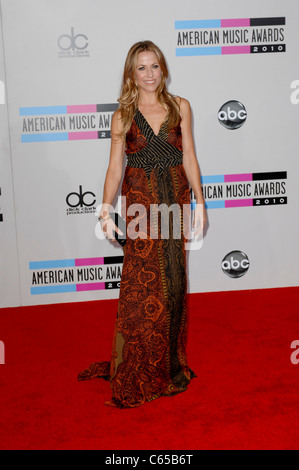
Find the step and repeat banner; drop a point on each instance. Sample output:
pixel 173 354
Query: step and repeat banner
pixel 61 66
pixel 9 270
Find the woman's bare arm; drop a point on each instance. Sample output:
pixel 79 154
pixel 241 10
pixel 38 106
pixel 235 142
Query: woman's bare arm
pixel 115 168
pixel 190 162
pixel 113 176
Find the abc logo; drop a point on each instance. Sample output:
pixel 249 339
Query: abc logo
pixel 235 264
pixel 232 115
pixel 67 42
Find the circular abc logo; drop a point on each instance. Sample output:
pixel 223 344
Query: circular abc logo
pixel 232 115
pixel 235 264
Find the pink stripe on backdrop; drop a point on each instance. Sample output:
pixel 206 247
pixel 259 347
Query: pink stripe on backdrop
pixel 83 135
pixel 89 261
pixel 241 177
pixel 236 50
pixel 239 203
pixel 87 287
pixel 235 22
pixel 82 108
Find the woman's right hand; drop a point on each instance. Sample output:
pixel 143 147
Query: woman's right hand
pixel 109 228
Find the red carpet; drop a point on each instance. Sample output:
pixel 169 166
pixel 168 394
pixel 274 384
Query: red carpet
pixel 245 397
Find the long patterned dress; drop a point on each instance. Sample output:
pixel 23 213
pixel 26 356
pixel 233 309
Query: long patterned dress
pixel 149 348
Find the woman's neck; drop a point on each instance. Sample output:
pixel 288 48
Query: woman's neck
pixel 147 99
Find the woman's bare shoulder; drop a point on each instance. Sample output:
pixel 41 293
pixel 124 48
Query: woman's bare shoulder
pixel 116 115
pixel 184 105
pixel 116 120
pixel 182 102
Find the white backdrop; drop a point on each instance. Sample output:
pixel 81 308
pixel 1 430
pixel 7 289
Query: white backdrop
pixel 63 66
pixel 9 271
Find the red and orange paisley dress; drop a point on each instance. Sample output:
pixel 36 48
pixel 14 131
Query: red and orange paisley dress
pixel 149 348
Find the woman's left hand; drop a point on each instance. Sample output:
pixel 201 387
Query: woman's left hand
pixel 199 219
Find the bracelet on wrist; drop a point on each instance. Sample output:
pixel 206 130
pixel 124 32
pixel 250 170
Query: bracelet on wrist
pixel 104 219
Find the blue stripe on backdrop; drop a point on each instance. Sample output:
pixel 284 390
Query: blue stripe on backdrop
pixel 196 24
pixel 42 110
pixel 55 137
pixel 195 51
pixel 53 289
pixel 64 263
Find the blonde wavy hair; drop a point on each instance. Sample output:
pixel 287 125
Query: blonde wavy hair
pixel 129 94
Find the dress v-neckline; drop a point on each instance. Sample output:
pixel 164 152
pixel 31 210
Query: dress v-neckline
pixel 148 124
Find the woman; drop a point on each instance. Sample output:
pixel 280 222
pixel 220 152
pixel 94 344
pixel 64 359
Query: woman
pixel 154 129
